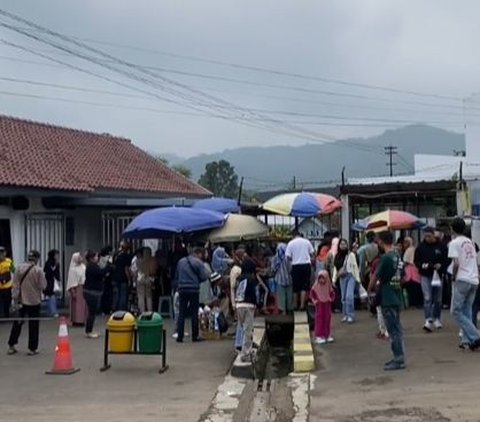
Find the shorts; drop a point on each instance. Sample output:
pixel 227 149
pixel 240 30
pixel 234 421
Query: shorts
pixel 301 275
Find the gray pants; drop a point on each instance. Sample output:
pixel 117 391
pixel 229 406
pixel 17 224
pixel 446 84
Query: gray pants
pixel 246 317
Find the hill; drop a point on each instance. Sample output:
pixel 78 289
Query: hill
pixel 265 168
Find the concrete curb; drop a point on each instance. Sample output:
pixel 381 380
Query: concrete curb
pixel 303 357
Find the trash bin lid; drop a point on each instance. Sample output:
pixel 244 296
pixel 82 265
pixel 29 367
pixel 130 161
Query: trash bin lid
pixel 150 318
pixel 121 318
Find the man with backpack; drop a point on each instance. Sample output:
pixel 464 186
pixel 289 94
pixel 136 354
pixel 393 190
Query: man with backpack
pixel 191 273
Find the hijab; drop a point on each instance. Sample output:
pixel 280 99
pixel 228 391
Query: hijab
pixel 340 256
pixel 409 256
pixel 76 272
pixel 322 288
pixel 279 257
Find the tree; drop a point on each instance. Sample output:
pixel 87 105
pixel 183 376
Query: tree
pixel 220 179
pixel 183 170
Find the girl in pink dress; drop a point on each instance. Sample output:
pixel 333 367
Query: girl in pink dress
pixel 322 295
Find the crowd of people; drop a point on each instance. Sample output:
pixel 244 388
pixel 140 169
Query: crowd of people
pixel 218 287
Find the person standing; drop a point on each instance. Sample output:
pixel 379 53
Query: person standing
pixel 281 274
pixel 146 269
pixel 52 274
pixel 106 260
pixel 300 253
pixel 235 274
pixel 122 277
pixel 431 261
pixel 389 274
pixel 28 284
pixel 221 260
pixel 92 291
pixel 190 274
pixel 322 295
pixel 6 270
pixel 413 279
pixel 366 254
pixel 75 282
pixel 465 283
pixel 346 273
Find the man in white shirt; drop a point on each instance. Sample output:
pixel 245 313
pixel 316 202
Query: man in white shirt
pixel 300 252
pixel 465 283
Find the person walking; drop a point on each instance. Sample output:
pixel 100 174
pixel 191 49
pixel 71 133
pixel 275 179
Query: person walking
pixel 93 290
pixel 190 274
pixel 389 274
pixel 322 295
pixel 6 282
pixel 465 283
pixel 300 253
pixel 281 274
pixel 431 261
pixel 28 284
pixel 75 282
pixel 346 273
pixel 52 274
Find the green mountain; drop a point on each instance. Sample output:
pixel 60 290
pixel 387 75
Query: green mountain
pixel 267 168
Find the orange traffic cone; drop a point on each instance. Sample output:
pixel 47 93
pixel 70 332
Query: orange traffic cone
pixel 62 363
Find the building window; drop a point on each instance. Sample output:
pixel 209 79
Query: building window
pixel 69 231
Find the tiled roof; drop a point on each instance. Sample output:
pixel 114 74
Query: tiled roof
pixel 39 155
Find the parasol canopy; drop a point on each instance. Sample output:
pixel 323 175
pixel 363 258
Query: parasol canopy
pixel 390 220
pixel 302 204
pixel 224 205
pixel 159 222
pixel 239 227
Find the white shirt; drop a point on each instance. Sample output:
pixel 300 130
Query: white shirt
pixel 300 251
pixel 463 249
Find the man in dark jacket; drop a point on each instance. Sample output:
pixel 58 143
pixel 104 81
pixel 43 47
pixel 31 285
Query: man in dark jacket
pixel 431 259
pixel 190 273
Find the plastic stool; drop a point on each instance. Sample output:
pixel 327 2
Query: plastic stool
pixel 169 301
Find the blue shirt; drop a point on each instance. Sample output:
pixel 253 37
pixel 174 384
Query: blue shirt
pixel 190 273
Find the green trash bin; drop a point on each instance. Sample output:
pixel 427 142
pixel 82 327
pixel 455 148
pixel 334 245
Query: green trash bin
pixel 150 332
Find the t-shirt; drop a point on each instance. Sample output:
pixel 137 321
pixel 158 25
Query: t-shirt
pixel 299 250
pixel 123 260
pixel 389 273
pixel 463 249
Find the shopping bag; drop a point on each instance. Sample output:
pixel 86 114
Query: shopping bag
pixel 436 280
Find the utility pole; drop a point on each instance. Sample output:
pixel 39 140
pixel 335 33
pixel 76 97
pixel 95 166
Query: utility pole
pixel 294 183
pixel 390 151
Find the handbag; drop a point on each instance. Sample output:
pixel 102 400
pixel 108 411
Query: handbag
pixel 57 288
pixel 436 280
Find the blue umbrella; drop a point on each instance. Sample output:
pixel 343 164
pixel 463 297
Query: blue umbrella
pixel 224 205
pixel 159 222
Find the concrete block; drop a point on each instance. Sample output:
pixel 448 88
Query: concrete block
pixel 302 347
pixel 303 363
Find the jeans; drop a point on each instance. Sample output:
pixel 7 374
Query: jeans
pixel 239 336
pixel 52 305
pixel 5 302
pixel 33 327
pixel 432 299
pixel 391 314
pixel 463 298
pixel 188 300
pixel 92 300
pixel 120 296
pixel 246 318
pixel 347 288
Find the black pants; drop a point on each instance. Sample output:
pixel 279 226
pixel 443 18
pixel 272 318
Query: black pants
pixel 33 327
pixel 188 300
pixel 92 299
pixel 107 297
pixel 5 302
pixel 415 294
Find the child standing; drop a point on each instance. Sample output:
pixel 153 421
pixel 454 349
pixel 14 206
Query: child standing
pixel 322 295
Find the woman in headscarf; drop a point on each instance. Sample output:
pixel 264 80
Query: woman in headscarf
pixel 75 282
pixel 322 295
pixel 281 275
pixel 412 276
pixel 347 274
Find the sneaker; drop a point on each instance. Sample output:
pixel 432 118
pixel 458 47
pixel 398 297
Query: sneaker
pixel 350 320
pixel 330 340
pixel 394 366
pixel 175 335
pixel 475 345
pixel 92 335
pixel 320 340
pixel 438 324
pixel 344 319
pixel 428 326
pixel 12 351
pixel 32 352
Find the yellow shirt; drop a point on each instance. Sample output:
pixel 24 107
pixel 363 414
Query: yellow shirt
pixel 6 269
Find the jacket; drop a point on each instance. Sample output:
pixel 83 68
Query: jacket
pixel 190 273
pixel 28 288
pixel 427 255
pixel 51 274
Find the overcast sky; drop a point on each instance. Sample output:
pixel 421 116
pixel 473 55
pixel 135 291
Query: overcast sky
pixel 428 46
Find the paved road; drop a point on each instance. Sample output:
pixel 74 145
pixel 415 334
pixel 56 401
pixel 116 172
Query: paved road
pixel 441 383
pixel 132 390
